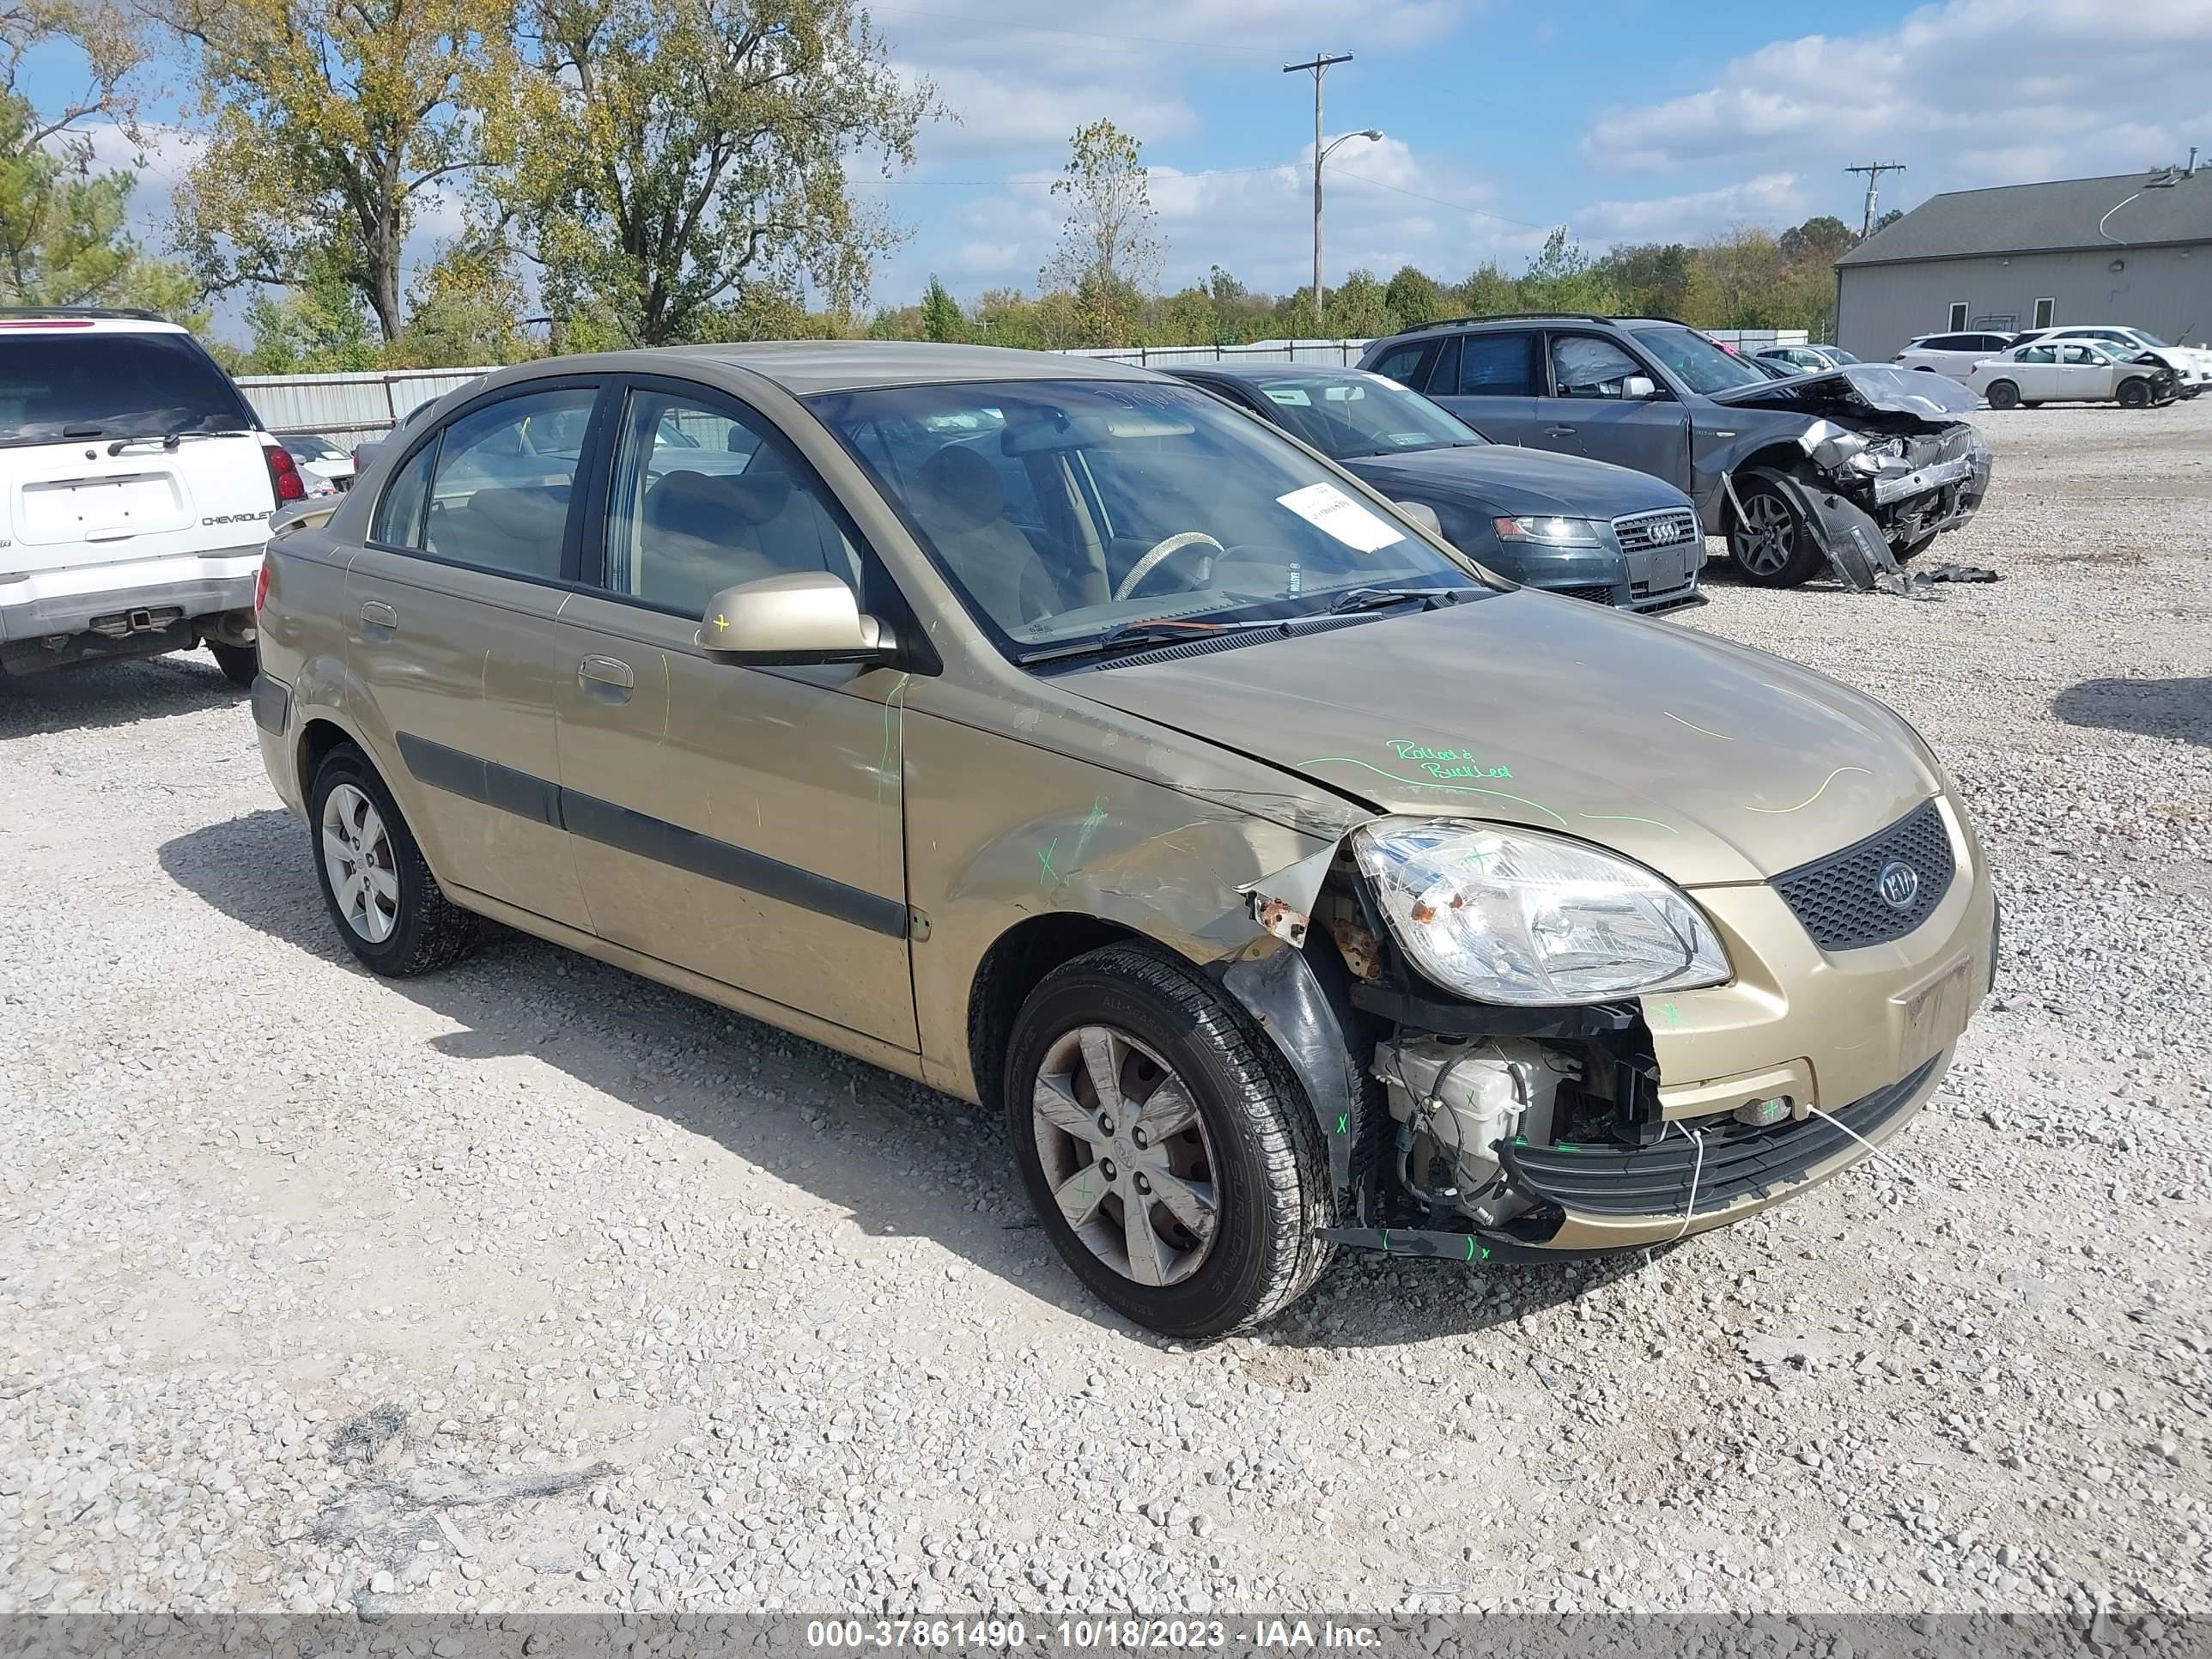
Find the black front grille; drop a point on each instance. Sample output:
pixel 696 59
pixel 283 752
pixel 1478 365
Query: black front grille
pixel 1735 1162
pixel 1840 897
pixel 1596 595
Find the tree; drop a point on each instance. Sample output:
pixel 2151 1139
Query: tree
pixel 668 158
pixel 1822 240
pixel 1737 281
pixel 1108 252
pixel 1413 298
pixel 1563 278
pixel 1652 278
pixel 940 314
pixel 1358 308
pixel 338 125
pixel 466 309
pixel 1487 291
pixel 1883 222
pixel 62 235
pixel 320 327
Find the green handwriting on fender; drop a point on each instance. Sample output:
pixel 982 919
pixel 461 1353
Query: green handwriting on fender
pixel 1445 763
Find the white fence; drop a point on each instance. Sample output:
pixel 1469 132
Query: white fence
pixel 353 406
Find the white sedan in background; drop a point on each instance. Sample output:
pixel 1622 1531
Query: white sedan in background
pixel 2069 371
pixel 321 462
pixel 2193 364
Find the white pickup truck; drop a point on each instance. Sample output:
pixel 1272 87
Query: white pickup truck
pixel 136 489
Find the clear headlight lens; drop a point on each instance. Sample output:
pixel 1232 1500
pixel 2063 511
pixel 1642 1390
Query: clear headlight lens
pixel 1549 533
pixel 1516 916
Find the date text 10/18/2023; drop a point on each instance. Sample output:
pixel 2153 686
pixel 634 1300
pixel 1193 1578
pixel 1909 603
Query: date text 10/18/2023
pixel 1090 1635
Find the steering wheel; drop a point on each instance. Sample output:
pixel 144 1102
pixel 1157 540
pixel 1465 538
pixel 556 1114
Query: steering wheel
pixel 1161 551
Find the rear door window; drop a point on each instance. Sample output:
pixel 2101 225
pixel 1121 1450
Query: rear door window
pixel 69 383
pixel 1497 365
pixel 499 497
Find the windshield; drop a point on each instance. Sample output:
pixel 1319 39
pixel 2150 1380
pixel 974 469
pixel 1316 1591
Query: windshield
pixel 1696 362
pixel 72 384
pixel 1062 510
pixel 1345 416
pixel 2146 337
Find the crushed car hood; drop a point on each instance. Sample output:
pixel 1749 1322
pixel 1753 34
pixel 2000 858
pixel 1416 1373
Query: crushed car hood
pixel 1710 762
pixel 1935 397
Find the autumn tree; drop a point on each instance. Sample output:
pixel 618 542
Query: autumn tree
pixel 62 240
pixel 337 126
pixel 1414 297
pixel 663 159
pixel 1109 251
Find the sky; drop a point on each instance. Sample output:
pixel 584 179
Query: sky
pixel 1625 120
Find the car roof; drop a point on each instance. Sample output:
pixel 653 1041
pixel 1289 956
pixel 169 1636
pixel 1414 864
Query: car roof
pixel 1250 373
pixel 83 319
pixel 803 367
pixel 1523 320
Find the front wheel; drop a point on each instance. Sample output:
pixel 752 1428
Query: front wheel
pixel 2134 394
pixel 239 662
pixel 1769 541
pixel 1171 1159
pixel 389 908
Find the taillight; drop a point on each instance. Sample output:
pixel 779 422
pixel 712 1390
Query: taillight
pixel 261 586
pixel 284 474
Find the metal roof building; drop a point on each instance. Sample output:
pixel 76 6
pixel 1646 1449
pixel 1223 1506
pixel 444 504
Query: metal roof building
pixel 2134 248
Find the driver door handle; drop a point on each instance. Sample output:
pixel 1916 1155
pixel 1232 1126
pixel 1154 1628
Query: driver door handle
pixel 1558 432
pixel 607 679
pixel 374 613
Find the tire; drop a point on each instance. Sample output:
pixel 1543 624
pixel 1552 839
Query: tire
pixel 2134 394
pixel 1769 541
pixel 2003 394
pixel 1912 550
pixel 1252 1133
pixel 239 663
pixel 406 924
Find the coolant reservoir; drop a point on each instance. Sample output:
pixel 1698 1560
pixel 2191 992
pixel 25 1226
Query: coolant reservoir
pixel 1462 1095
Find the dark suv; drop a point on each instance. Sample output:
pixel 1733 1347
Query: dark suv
pixel 1858 466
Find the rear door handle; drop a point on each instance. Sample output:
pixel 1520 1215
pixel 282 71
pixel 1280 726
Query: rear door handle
pixel 374 613
pixel 1558 432
pixel 608 678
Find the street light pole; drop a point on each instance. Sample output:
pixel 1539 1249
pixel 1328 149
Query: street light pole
pixel 1318 65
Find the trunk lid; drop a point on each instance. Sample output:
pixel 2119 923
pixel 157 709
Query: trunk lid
pixel 1711 762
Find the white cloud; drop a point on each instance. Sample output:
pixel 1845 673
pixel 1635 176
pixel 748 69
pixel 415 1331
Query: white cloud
pixel 1769 199
pixel 1967 92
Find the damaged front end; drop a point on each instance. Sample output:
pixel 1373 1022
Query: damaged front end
pixel 1444 1116
pixel 1887 463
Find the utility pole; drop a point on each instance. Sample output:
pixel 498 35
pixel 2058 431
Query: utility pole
pixel 1318 65
pixel 1874 170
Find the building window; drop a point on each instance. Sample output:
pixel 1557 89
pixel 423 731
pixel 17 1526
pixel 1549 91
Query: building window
pixel 1958 316
pixel 2044 312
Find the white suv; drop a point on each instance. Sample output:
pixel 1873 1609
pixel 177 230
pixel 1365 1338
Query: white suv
pixel 136 488
pixel 1952 354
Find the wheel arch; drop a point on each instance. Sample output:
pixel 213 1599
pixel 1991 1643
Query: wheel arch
pixel 1010 970
pixel 1780 457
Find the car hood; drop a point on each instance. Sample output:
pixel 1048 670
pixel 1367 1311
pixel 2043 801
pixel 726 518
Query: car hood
pixel 1514 481
pixel 1709 762
pixel 1862 386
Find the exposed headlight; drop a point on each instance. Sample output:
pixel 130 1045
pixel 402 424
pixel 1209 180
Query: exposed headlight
pixel 1549 533
pixel 1520 917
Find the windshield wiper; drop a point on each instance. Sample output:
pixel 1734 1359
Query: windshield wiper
pixel 1374 599
pixel 1151 631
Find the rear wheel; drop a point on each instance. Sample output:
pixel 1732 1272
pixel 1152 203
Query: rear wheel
pixel 389 908
pixel 1171 1159
pixel 1769 541
pixel 2134 394
pixel 2003 394
pixel 239 662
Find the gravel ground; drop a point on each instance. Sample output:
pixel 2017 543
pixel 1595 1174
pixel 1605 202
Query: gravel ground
pixel 534 1287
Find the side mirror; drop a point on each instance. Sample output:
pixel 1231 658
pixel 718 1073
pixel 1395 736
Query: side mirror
pixel 1422 514
pixel 1637 386
pixel 807 618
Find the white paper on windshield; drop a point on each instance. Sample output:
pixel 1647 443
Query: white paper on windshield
pixel 1327 507
pixel 1290 395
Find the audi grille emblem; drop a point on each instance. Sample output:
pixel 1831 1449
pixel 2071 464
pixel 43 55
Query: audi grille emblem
pixel 1898 884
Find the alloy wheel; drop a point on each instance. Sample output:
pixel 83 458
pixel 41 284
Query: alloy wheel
pixel 358 864
pixel 1124 1152
pixel 1766 534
